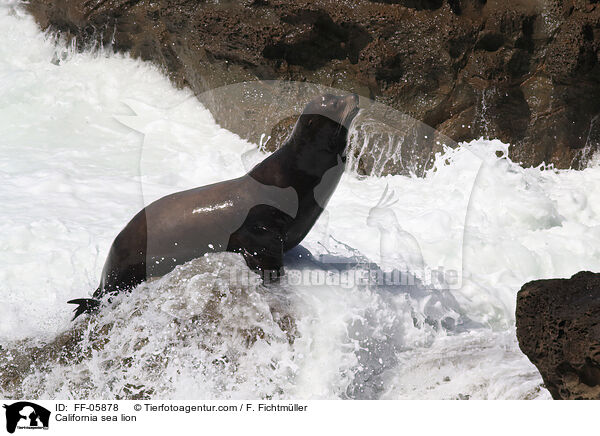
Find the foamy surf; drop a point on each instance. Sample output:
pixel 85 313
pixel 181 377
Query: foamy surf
pixel 74 168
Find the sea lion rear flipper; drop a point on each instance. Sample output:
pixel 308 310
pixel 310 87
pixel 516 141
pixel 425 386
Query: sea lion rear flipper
pixel 86 305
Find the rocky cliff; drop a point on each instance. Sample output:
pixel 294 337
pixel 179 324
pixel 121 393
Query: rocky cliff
pixel 524 71
pixel 558 327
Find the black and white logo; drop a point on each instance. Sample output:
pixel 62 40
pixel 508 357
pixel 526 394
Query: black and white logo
pixel 26 415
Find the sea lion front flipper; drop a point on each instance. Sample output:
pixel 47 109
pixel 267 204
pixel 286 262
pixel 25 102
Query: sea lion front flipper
pixel 261 240
pixel 265 254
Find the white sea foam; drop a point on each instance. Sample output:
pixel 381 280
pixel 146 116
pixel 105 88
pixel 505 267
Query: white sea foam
pixel 74 169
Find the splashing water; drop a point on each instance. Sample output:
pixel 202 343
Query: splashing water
pixel 73 172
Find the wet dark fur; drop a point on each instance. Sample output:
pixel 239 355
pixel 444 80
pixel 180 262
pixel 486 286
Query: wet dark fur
pixel 260 215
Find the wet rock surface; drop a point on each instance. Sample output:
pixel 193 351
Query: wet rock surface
pixel 558 327
pixel 205 317
pixel 526 72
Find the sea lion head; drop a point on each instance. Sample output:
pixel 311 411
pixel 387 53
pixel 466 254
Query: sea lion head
pixel 321 132
pixel 339 110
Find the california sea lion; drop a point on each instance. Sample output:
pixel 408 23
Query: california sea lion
pixel 261 215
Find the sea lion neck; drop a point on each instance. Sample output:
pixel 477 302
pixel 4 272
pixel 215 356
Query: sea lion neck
pixel 285 167
pixel 276 170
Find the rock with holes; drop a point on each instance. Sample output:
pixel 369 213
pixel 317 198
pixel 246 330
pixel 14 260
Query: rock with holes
pixel 526 71
pixel 558 327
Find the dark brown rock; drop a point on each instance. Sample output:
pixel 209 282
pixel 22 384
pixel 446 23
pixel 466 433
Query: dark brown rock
pixel 279 133
pixel 558 327
pixel 526 71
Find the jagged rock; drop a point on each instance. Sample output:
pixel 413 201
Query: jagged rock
pixel 558 327
pixel 526 72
